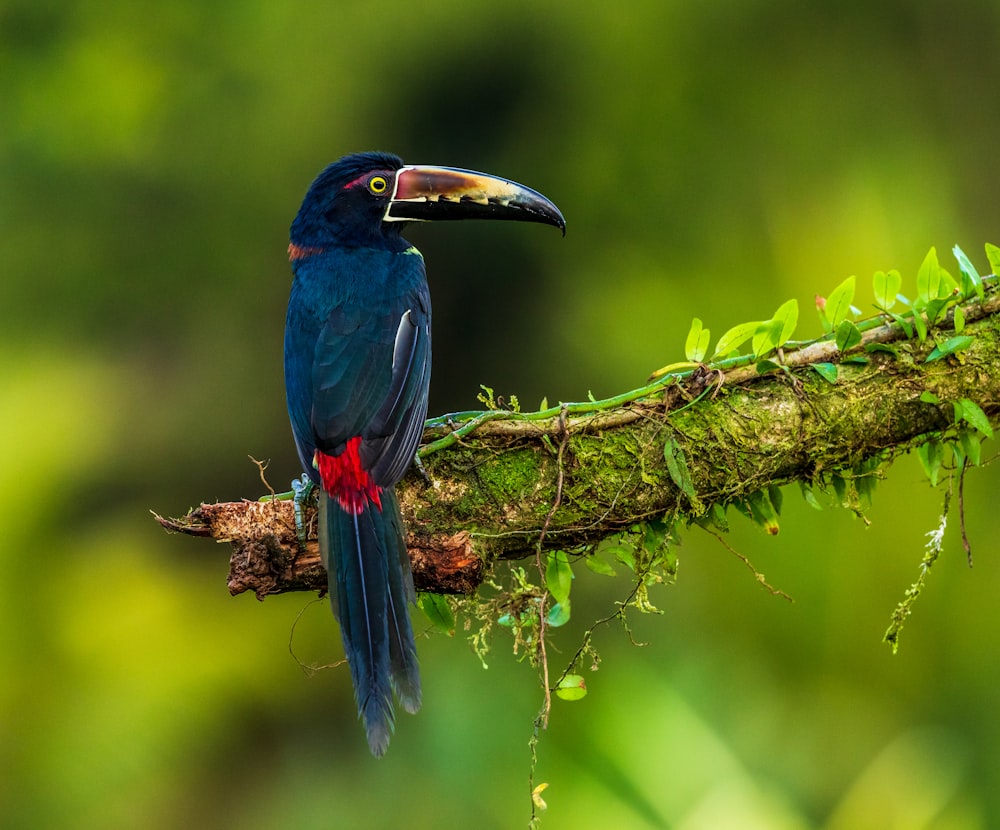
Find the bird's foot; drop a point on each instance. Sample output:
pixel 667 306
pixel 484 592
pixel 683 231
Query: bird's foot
pixel 422 470
pixel 302 489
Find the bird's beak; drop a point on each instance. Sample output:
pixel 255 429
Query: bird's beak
pixel 433 193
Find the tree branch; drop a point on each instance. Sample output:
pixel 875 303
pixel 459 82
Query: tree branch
pixel 491 492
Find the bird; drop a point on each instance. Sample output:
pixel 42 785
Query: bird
pixel 357 361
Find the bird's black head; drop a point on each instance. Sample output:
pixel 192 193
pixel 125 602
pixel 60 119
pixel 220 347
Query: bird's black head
pixel 363 199
pixel 347 202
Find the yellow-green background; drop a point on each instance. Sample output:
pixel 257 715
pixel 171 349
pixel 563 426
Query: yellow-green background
pixel 712 159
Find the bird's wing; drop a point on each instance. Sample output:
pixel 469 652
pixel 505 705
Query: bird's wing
pixel 369 377
pixel 391 439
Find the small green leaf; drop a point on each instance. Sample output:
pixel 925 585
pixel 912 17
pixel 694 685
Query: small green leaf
pixel 599 566
pixel 558 576
pixel 929 397
pixel 973 414
pixel 827 371
pixel 624 554
pixel 697 342
pixel 887 286
pixel 776 496
pixel 838 304
pixel 676 461
pixel 887 348
pixel 937 309
pixel 931 455
pixel 717 516
pixel 958 451
pixel 544 404
pixel 571 687
pixel 972 443
pixel 763 512
pixel 558 614
pixel 788 315
pixel 959 319
pixel 847 336
pixel 928 278
pixel 920 325
pixel 971 281
pixel 438 611
pixel 839 487
pixel 766 337
pixel 958 343
pixel 765 366
pixel 810 496
pixel 734 338
pixel 993 255
pixel 855 360
pixel 903 323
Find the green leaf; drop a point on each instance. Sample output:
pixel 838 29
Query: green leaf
pixel 571 687
pixel 929 397
pixel 993 255
pixel 958 343
pixel 847 336
pixel 969 411
pixel 765 366
pixel 558 614
pixel 599 566
pixel 810 496
pixel 840 488
pixel 827 371
pixel 763 512
pixel 776 496
pixel 959 319
pixel 972 444
pixel 734 338
pixel 788 315
pixel 676 461
pixel 920 325
pixel 887 286
pixel 558 576
pixel 623 553
pixel 903 323
pixel 766 337
pixel 697 342
pixel 838 304
pixel 937 309
pixel 931 455
pixel 438 611
pixel 888 348
pixel 928 278
pixel 959 452
pixel 971 281
pixel 948 287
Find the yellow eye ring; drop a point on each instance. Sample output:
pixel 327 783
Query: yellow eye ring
pixel 377 185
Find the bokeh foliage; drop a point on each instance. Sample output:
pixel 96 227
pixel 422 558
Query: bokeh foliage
pixel 712 160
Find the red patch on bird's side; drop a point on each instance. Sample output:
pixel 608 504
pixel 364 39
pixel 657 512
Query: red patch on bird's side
pixel 346 480
pixel 301 251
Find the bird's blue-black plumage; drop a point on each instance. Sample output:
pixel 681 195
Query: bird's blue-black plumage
pixel 357 365
pixel 357 368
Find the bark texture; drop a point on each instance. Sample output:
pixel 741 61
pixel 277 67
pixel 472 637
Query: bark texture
pixel 490 493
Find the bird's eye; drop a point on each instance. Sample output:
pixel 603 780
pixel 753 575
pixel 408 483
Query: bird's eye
pixel 378 185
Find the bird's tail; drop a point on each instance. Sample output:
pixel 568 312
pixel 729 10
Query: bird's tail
pixel 370 586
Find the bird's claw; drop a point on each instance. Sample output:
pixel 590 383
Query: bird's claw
pixel 422 470
pixel 302 489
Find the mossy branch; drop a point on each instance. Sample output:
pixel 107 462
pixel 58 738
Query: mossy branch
pixel 677 447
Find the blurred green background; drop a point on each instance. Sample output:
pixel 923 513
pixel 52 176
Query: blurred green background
pixel 712 159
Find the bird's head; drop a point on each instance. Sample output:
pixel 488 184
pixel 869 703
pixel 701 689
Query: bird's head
pixel 362 200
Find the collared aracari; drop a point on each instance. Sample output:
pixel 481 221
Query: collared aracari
pixel 357 368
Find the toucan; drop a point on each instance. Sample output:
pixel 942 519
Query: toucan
pixel 357 369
